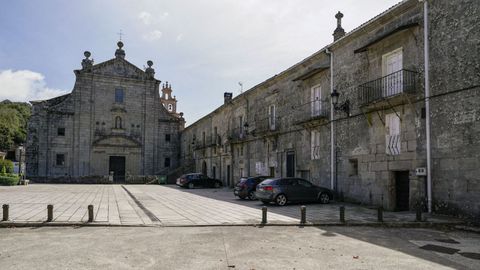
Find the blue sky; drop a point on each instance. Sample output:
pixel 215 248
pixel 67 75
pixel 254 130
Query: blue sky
pixel 203 48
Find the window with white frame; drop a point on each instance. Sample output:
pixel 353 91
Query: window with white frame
pixel 392 136
pixel 271 117
pixel 392 65
pixel 240 125
pixel 315 144
pixel 316 100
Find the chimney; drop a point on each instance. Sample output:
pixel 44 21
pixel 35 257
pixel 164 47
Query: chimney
pixel 339 32
pixel 227 97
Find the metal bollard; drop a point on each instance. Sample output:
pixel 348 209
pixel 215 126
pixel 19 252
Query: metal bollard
pixel 5 212
pixel 49 213
pixel 380 214
pixel 418 214
pixel 342 214
pixel 303 214
pixel 90 213
pixel 264 215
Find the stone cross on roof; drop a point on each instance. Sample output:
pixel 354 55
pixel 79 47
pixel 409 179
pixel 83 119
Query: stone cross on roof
pixel 120 35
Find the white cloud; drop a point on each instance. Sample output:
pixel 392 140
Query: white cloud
pixel 149 19
pixel 145 17
pixel 25 85
pixel 179 37
pixel 164 15
pixel 153 35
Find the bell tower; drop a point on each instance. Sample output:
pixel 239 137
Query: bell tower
pixel 168 101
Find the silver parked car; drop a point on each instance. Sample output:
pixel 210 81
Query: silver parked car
pixel 284 190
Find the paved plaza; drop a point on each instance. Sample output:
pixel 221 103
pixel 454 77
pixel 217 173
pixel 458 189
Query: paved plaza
pixel 157 205
pixel 241 247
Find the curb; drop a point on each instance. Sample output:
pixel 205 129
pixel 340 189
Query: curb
pixel 438 225
pixel 467 228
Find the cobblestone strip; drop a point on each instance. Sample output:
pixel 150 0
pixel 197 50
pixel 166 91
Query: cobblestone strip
pixel 127 212
pixel 147 212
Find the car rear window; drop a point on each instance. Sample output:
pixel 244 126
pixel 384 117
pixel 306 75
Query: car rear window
pixel 270 182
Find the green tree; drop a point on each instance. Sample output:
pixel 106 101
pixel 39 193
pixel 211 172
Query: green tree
pixel 14 118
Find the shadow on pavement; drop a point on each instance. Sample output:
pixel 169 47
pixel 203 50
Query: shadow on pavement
pixel 427 244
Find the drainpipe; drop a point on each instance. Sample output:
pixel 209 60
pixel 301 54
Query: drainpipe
pixel 427 104
pixel 332 127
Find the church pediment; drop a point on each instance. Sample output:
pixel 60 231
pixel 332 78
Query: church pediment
pixel 116 141
pixel 118 67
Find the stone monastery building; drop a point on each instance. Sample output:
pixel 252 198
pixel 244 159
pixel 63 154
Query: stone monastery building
pixel 387 114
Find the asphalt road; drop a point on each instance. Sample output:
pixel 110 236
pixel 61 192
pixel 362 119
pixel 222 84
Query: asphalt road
pixel 236 248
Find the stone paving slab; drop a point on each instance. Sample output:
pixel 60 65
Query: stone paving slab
pixel 155 205
pixel 220 206
pixel 111 204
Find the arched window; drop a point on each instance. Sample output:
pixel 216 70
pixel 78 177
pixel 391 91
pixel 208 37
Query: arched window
pixel 170 107
pixel 118 122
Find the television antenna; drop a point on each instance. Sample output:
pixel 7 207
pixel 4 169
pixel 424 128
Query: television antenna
pixel 241 87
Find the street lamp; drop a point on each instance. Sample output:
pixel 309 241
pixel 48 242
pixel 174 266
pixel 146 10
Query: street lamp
pixel 245 128
pixel 20 149
pixel 345 106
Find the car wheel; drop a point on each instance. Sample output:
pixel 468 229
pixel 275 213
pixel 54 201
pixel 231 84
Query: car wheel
pixel 323 198
pixel 216 185
pixel 191 185
pixel 281 200
pixel 251 195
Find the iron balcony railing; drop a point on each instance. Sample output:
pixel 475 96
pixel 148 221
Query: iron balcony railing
pixel 237 134
pixel 312 111
pixel 266 125
pixel 399 82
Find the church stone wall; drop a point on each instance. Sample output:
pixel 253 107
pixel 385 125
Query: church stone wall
pixel 97 127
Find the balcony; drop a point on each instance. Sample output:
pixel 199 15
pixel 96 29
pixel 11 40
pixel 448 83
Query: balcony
pixel 394 84
pixel 312 113
pixel 266 126
pixel 209 142
pixel 236 135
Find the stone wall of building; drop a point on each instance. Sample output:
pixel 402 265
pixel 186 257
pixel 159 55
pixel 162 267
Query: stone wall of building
pixel 381 142
pixel 455 105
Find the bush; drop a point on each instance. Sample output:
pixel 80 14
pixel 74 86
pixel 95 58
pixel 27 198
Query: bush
pixel 9 180
pixel 7 164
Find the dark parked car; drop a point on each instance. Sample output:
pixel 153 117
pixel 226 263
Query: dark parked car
pixel 193 180
pixel 284 190
pixel 247 186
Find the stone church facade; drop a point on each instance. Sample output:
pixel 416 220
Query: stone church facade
pixel 113 127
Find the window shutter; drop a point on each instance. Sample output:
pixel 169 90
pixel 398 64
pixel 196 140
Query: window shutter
pixel 392 137
pixel 315 99
pixel 271 117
